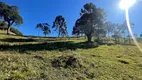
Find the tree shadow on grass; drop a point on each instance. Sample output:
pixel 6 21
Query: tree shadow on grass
pixel 128 44
pixel 123 44
pixel 61 46
pixel 24 40
pixel 17 40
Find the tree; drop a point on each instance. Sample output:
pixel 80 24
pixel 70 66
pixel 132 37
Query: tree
pixel 76 31
pixel 109 27
pixel 10 14
pixel 126 30
pixel 60 26
pixel 116 37
pixel 39 27
pixel 120 31
pixel 90 21
pixel 117 32
pixel 46 30
pixel 136 35
pixel 140 35
pixel 44 27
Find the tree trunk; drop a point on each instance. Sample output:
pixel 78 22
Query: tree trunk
pixel 108 39
pixel 118 40
pixel 129 36
pixel 98 37
pixel 129 40
pixel 108 35
pixel 38 33
pixel 124 40
pixel 59 33
pixel 8 29
pixel 115 40
pixel 89 38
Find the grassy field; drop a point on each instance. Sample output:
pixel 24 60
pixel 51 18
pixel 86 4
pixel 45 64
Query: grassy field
pixel 26 58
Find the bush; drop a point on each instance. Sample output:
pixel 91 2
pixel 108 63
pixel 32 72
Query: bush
pixel 2 24
pixel 99 41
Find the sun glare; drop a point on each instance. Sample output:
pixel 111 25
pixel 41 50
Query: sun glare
pixel 126 4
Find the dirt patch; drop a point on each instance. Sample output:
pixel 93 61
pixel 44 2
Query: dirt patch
pixel 80 78
pixel 66 62
pixel 39 57
pixel 124 62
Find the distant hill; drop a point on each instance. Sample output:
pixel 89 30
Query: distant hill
pixel 13 31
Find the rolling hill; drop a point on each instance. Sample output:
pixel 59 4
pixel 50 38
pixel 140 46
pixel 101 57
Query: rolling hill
pixel 28 58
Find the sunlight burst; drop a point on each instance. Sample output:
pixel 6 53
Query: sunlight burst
pixel 130 30
pixel 126 4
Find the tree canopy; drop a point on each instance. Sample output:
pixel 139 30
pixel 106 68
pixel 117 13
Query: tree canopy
pixel 91 20
pixel 10 14
pixel 44 27
pixel 60 26
pixel 140 35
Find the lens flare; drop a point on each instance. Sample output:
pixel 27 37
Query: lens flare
pixel 125 4
pixel 130 30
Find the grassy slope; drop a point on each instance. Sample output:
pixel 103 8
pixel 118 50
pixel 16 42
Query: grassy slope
pixel 115 62
pixel 4 32
pixel 13 31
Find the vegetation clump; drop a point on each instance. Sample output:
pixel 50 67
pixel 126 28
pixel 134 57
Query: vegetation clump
pixel 124 61
pixel 66 62
pixel 39 57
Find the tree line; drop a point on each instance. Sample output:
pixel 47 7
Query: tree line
pixel 92 24
pixel 59 26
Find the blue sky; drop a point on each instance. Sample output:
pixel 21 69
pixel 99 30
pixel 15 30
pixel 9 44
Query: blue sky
pixel 36 11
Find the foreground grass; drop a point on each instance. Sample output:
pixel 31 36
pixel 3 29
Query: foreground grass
pixel 114 62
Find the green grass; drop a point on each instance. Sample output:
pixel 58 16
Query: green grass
pixel 25 58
